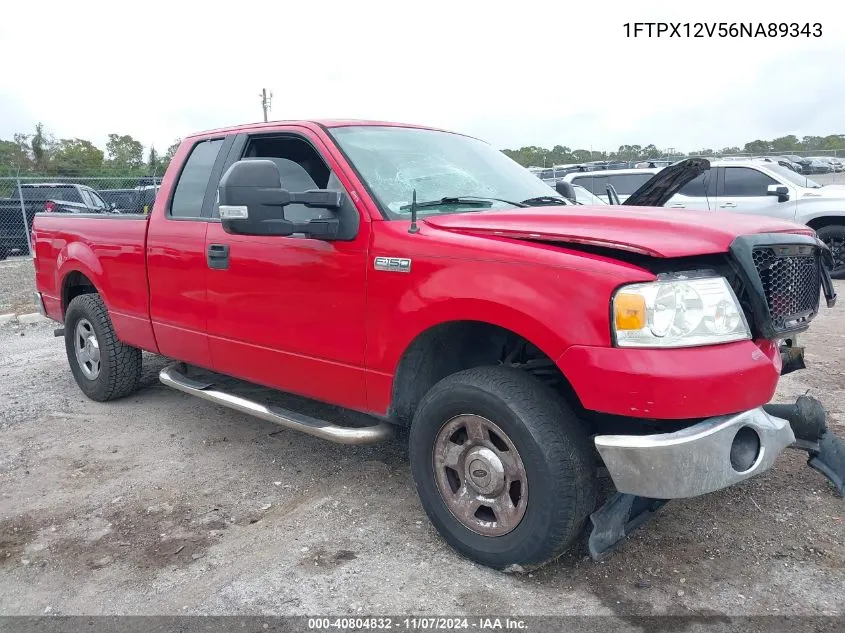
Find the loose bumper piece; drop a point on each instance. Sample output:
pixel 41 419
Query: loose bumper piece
pixel 707 456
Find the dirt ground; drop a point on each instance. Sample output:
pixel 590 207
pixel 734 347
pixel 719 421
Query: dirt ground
pixel 164 504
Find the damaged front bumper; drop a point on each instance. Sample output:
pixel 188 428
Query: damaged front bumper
pixel 649 470
pixel 701 458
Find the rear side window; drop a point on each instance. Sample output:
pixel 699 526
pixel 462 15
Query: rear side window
pixel 699 187
pixel 193 181
pixel 39 194
pixel 625 184
pixel 746 182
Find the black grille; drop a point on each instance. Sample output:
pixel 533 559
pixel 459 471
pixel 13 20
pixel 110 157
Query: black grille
pixel 791 284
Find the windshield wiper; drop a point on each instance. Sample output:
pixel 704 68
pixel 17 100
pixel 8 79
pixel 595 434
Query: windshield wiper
pixel 540 201
pixel 469 201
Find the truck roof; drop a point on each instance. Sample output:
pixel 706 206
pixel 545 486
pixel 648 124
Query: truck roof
pixel 326 123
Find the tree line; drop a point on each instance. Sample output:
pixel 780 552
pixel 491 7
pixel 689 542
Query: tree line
pixel 41 153
pixel 534 156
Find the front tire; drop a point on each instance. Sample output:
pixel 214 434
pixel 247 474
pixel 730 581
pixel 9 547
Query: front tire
pixel 503 468
pixel 104 367
pixel 834 236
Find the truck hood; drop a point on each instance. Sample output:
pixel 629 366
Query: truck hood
pixel 653 231
pixel 660 188
pixel 827 192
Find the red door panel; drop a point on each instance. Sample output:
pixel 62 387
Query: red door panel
pixel 289 313
pixel 176 266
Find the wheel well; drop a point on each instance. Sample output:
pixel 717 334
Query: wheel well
pixel 827 220
pixel 452 347
pixel 75 284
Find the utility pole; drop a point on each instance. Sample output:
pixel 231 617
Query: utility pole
pixel 265 102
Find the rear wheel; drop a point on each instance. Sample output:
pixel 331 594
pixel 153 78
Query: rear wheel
pixel 503 468
pixel 834 236
pixel 104 368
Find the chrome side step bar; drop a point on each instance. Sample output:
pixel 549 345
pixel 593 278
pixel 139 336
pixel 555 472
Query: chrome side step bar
pixel 173 377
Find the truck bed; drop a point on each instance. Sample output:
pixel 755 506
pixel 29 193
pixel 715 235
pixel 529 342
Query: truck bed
pixel 111 249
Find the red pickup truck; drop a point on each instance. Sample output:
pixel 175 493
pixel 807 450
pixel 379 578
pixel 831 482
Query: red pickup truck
pixel 418 277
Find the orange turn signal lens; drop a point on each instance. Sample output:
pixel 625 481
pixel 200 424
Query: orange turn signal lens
pixel 629 311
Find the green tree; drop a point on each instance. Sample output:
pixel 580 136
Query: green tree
pixel 650 151
pixel 153 161
pixel 164 161
pixel 42 145
pixel 581 156
pixel 76 157
pixel 124 152
pixel 786 144
pixel 14 155
pixel 758 147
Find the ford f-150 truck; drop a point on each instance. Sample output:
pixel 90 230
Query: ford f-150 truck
pixel 409 276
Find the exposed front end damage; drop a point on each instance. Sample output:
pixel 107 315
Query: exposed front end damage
pixel 711 455
pixel 779 278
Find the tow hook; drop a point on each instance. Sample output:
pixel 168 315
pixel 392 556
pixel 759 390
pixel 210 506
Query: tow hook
pixel 826 451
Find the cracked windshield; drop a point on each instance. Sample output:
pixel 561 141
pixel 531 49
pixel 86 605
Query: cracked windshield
pixel 451 173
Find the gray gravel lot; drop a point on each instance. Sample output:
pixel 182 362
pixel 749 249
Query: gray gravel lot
pixel 163 504
pixel 17 283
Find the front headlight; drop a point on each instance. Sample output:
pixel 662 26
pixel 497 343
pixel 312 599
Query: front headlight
pixel 678 310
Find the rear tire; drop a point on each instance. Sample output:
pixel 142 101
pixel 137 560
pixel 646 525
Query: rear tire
pixel 533 428
pixel 834 236
pixel 104 368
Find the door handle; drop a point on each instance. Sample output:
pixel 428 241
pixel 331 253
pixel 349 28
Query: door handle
pixel 677 205
pixel 217 256
pixel 727 205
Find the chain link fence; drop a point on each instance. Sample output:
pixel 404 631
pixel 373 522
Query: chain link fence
pixel 22 197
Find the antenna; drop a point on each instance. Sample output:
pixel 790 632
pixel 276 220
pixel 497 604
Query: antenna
pixel 413 228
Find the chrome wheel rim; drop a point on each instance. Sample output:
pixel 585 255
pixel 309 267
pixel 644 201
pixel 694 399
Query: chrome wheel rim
pixel 480 475
pixel 87 349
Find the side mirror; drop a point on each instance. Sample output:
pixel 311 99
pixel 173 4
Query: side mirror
pixel 781 191
pixel 252 202
pixel 565 190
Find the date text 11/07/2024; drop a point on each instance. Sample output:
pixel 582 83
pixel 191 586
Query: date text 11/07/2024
pixel 722 29
pixel 358 623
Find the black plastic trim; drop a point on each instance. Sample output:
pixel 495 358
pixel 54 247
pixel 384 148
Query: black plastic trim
pixel 742 249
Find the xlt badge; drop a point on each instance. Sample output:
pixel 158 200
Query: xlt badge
pixel 393 264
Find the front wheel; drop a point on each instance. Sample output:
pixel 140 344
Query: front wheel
pixel 834 236
pixel 103 366
pixel 503 468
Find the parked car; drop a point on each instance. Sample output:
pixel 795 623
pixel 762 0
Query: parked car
pixel 136 200
pixel 817 166
pixel 765 188
pixel 526 344
pixel 834 162
pixel 782 161
pixel 646 164
pixel 625 181
pixel 55 197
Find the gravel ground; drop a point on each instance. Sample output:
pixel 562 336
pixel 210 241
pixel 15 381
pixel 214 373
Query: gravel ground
pixel 17 282
pixel 164 504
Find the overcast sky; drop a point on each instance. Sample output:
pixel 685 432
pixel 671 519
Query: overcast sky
pixel 514 73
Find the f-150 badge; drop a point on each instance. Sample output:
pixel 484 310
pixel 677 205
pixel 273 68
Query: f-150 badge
pixel 393 264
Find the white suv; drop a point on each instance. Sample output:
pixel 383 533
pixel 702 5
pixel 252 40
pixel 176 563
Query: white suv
pixel 624 181
pixel 757 187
